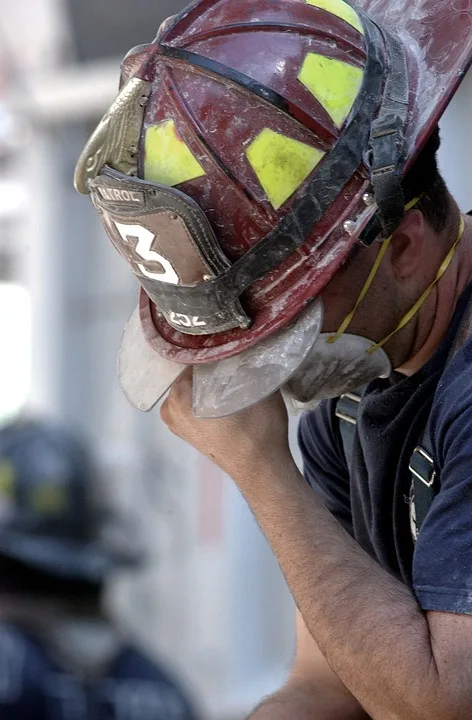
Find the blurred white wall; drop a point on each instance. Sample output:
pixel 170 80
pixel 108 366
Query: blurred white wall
pixel 212 601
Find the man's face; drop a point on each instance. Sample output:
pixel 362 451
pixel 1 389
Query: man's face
pixel 381 309
pixel 408 267
pixel 341 294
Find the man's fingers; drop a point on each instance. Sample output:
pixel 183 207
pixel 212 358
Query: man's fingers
pixel 183 385
pixel 165 412
pixel 179 399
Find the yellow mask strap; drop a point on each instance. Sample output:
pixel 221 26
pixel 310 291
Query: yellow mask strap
pixel 348 319
pixel 411 313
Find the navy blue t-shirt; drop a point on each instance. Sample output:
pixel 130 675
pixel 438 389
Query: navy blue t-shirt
pixel 33 687
pixel 371 498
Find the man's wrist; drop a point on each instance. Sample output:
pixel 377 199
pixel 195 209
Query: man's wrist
pixel 265 470
pixel 306 703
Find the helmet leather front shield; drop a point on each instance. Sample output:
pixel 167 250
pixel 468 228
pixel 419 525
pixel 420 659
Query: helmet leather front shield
pixel 168 242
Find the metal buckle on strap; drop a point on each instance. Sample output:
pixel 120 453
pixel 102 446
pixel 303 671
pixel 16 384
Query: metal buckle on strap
pixel 386 143
pixel 346 418
pixel 422 466
pixel 346 403
pixel 350 396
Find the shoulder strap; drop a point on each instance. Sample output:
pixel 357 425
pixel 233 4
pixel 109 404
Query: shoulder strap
pixel 347 409
pixel 425 482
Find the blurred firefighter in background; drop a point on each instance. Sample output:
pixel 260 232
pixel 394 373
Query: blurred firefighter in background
pixel 60 657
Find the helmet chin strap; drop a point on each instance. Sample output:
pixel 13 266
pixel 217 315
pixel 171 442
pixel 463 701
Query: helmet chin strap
pixel 419 303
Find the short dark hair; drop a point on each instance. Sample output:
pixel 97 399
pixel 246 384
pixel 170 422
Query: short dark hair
pixel 425 181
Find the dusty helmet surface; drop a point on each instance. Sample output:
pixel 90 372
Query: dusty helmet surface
pixel 251 145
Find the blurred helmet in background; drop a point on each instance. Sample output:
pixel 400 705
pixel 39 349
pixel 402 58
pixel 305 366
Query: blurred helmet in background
pixel 51 518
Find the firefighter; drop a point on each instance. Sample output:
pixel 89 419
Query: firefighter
pixel 269 173
pixel 60 657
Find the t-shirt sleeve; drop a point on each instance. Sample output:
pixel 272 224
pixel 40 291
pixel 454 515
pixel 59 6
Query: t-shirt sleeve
pixel 324 464
pixel 442 562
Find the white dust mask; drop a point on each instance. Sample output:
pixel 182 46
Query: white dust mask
pixel 332 369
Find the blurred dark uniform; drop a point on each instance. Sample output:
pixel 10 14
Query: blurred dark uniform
pixel 59 658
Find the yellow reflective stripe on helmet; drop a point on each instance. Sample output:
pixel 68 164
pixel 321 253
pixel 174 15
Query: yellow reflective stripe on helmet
pixel 334 83
pixel 281 164
pixel 341 9
pixel 168 160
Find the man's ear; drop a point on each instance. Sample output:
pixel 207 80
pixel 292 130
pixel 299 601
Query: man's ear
pixel 407 244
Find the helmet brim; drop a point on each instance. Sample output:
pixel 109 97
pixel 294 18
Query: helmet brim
pixel 223 387
pixel 229 386
pixel 439 41
pixel 144 376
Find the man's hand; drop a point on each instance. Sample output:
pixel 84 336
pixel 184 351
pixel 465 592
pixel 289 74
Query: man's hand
pixel 239 444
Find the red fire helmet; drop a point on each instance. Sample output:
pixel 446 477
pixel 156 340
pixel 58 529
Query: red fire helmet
pixel 251 145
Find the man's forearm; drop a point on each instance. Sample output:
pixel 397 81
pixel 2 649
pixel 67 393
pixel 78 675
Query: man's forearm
pixel 399 662
pixel 367 624
pixel 304 703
